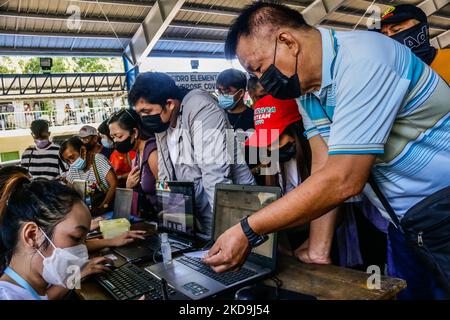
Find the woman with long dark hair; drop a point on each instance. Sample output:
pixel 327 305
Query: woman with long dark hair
pixel 43 228
pixel 126 132
pixel 121 162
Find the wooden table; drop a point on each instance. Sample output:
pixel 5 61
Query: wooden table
pixel 327 282
pixel 322 282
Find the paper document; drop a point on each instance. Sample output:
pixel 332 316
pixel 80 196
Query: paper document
pixel 197 254
pixel 111 257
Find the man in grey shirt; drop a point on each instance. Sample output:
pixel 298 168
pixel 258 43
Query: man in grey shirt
pixel 195 140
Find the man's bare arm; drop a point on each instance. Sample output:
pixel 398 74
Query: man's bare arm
pixel 342 177
pixel 321 230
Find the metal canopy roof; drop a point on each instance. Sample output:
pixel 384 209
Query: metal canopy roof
pixel 198 28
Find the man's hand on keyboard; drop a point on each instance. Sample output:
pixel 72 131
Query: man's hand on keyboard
pixel 127 238
pixel 229 252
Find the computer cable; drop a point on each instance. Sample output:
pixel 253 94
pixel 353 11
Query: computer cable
pixel 155 252
pixel 278 285
pixel 164 294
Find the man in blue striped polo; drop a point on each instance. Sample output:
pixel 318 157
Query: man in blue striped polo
pixel 369 106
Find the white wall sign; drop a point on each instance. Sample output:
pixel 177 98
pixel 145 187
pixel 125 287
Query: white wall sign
pixel 194 80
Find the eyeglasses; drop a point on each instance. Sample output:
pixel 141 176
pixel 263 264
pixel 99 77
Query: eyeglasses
pixel 121 112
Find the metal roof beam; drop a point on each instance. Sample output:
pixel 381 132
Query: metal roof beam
pixel 186 54
pixel 299 5
pixel 108 36
pixel 64 34
pixel 319 10
pixel 155 24
pixel 441 41
pixel 432 6
pixel 358 13
pixel 141 3
pixel 227 11
pixel 189 6
pixel 200 26
pixel 196 40
pixel 40 16
pixel 92 52
pixel 202 8
pixel 428 6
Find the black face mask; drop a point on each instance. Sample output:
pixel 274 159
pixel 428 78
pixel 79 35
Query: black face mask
pixel 417 39
pixel 154 124
pixel 89 146
pixel 124 146
pixel 287 152
pixel 278 85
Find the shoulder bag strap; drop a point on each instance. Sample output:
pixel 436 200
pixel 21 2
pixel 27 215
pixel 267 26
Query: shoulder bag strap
pixel 97 177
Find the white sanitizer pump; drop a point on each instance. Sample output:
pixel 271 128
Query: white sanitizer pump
pixel 165 248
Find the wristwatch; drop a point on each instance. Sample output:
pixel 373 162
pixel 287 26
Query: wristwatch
pixel 254 239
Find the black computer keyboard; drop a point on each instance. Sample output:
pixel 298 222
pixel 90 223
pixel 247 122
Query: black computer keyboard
pixel 226 278
pixel 130 282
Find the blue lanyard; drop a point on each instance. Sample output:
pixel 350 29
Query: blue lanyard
pixel 335 49
pixel 21 281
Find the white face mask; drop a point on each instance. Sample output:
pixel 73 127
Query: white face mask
pixel 64 263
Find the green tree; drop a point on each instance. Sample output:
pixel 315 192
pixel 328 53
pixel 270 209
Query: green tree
pixel 30 65
pixel 92 64
pixel 61 65
pixel 6 65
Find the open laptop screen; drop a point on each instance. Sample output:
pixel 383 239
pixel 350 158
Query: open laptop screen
pixel 233 205
pixel 122 203
pixel 80 187
pixel 176 207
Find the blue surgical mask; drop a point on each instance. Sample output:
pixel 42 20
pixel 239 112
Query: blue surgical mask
pixel 107 143
pixel 79 164
pixel 227 102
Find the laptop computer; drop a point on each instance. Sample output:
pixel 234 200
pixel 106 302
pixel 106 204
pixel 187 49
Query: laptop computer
pixel 122 203
pixel 176 217
pixel 193 278
pixel 80 187
pixel 122 209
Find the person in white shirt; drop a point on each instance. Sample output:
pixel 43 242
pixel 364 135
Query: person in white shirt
pixel 43 232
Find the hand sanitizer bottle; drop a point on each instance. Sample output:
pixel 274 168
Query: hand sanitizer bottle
pixel 165 249
pixel 88 201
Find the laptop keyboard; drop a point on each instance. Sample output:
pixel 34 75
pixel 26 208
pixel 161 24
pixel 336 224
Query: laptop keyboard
pixel 225 278
pixel 130 282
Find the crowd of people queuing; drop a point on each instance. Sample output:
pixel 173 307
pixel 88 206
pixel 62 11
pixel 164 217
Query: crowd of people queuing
pixel 328 128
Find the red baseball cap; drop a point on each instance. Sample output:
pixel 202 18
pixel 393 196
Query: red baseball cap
pixel 271 117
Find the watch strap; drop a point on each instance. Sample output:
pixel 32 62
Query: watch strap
pixel 253 238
